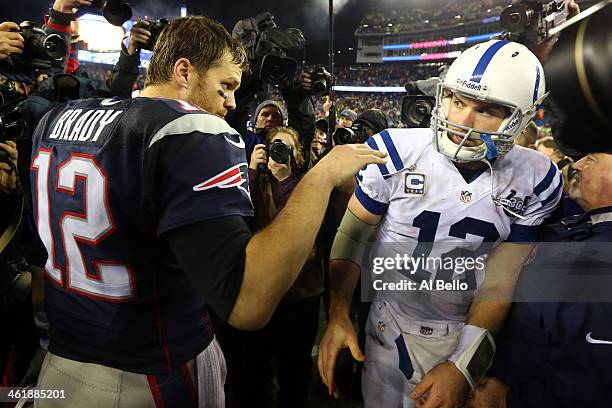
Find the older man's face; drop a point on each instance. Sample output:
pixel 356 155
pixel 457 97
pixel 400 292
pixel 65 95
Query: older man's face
pixel 595 181
pixel 269 117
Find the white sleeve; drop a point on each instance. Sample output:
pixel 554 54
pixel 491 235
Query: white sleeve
pixel 373 190
pixel 546 196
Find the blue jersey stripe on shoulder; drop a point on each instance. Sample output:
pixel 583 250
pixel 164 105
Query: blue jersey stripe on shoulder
pixel 486 59
pixel 393 154
pixel 555 192
pixel 373 206
pixel 523 233
pixel 544 184
pixel 383 168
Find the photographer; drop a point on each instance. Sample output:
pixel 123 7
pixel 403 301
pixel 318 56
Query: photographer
pixel 11 42
pixel 126 70
pixel 346 118
pixel 277 57
pixel 8 176
pixel 19 252
pixel 269 115
pixel 283 347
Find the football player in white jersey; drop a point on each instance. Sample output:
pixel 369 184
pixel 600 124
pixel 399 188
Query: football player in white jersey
pixel 460 186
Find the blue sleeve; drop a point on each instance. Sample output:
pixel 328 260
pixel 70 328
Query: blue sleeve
pixel 523 233
pixel 200 176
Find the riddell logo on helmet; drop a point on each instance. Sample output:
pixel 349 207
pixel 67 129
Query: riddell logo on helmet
pixel 512 124
pixel 472 85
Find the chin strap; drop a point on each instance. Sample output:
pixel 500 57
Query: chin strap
pixel 491 149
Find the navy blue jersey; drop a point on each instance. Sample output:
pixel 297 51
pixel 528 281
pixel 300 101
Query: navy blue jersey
pixel 109 178
pixel 557 354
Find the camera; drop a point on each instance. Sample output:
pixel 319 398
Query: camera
pixel 357 133
pixel 15 280
pixel 155 27
pixel 416 110
pixel 276 54
pixel 40 51
pixel 279 151
pixel 417 107
pixel 321 81
pixel 529 22
pixel 116 12
pixel 277 70
pixel 12 125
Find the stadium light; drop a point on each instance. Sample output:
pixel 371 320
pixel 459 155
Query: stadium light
pixel 442 43
pixel 371 89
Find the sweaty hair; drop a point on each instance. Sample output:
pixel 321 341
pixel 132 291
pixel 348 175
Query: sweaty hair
pixel 201 40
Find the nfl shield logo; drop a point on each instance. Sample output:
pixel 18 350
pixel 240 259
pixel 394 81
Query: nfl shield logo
pixel 426 331
pixel 466 197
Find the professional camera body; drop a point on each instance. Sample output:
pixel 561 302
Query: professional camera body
pixel 368 123
pixel 417 106
pixel 355 134
pixel 322 81
pixel 12 122
pixel 116 12
pixel 155 28
pixel 583 94
pixel 277 54
pixel 279 151
pixel 530 22
pixel 40 50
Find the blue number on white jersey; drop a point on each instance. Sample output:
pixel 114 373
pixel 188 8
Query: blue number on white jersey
pixel 425 200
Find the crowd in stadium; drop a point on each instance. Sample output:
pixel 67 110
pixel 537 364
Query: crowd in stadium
pixel 197 235
pixel 365 75
pixel 407 19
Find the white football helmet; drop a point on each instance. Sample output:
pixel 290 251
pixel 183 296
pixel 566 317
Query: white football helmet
pixel 497 71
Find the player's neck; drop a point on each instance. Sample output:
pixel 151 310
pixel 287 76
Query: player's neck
pixel 160 91
pixel 471 166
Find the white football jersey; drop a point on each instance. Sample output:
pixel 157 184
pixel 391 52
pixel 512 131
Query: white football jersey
pixel 424 199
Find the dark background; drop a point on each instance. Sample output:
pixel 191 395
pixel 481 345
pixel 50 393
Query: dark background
pixel 309 15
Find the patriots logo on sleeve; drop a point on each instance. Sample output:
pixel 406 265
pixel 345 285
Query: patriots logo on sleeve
pixel 235 176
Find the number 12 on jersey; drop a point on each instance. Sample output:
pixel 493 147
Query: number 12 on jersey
pixel 112 281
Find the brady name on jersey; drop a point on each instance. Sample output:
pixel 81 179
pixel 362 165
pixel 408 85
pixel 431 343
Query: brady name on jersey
pixel 138 311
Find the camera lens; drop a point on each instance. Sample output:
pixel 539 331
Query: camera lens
pixel 280 152
pixel 421 109
pixel 516 17
pixel 12 126
pixel 55 47
pixel 343 136
pixel 319 87
pixel 416 109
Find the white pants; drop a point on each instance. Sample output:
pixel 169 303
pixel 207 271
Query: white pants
pixel 399 352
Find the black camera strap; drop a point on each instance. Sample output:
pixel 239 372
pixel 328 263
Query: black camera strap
pixel 12 227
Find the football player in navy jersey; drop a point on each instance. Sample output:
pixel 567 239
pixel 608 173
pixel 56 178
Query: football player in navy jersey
pixel 140 205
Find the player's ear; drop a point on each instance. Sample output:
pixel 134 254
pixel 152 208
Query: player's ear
pixel 181 71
